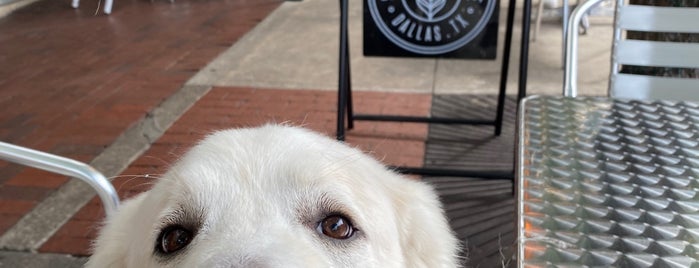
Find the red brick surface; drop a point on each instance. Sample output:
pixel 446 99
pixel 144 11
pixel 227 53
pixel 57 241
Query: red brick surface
pixel 221 108
pixel 72 82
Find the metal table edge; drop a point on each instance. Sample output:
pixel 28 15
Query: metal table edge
pixel 519 172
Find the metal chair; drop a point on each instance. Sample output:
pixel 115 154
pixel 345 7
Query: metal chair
pixel 107 5
pixel 64 166
pixel 641 52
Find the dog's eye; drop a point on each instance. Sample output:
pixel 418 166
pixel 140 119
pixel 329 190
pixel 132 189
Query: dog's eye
pixel 173 238
pixel 336 226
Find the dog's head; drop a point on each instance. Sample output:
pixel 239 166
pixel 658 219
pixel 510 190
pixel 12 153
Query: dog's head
pixel 278 196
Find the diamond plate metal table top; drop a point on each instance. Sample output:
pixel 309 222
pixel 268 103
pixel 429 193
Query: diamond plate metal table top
pixel 608 183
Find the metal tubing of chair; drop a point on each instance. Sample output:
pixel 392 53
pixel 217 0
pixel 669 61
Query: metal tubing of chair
pixel 564 21
pixel 108 6
pixel 570 76
pixel 537 23
pixel 64 166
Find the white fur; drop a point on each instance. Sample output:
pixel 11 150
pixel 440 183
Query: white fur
pixel 257 193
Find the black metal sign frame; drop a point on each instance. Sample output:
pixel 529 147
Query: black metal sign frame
pixel 345 111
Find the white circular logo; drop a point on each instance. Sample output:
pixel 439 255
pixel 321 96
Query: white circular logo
pixel 431 26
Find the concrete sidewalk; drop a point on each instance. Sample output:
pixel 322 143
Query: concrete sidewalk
pixel 296 47
pixel 170 86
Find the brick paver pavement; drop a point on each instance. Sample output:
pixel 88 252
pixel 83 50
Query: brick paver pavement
pixel 71 82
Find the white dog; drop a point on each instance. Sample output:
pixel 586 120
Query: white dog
pixel 278 196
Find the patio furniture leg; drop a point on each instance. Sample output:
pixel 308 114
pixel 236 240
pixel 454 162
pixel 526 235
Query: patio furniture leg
pixel 108 6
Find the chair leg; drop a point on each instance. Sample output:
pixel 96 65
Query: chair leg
pixel 585 24
pixel 539 11
pixel 108 6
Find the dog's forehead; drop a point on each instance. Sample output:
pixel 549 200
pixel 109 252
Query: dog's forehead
pixel 269 149
pixel 269 159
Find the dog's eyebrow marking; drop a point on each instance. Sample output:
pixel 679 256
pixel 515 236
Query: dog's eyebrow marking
pixel 327 203
pixel 185 215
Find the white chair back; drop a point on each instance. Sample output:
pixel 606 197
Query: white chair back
pixel 641 52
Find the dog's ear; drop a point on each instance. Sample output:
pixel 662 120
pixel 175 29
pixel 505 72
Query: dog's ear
pixel 112 245
pixel 426 238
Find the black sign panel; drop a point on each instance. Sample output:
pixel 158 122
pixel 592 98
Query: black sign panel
pixel 431 28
